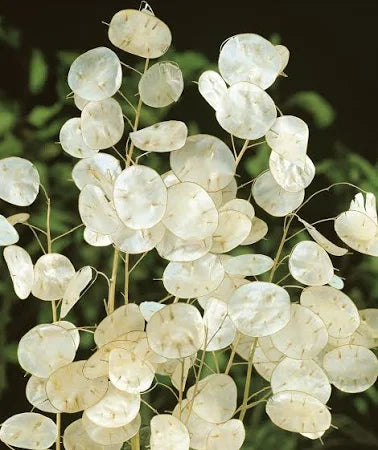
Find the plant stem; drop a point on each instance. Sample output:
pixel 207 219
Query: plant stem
pixel 127 273
pixel 248 381
pixel 58 426
pixel 113 282
pixel 241 153
pixel 233 351
pixel 135 442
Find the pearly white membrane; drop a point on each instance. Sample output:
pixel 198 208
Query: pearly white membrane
pixel 288 137
pixel 303 376
pixel 298 412
pixel 241 205
pixel 14 219
pixel 21 270
pixel 229 192
pixel 233 228
pixel 137 241
pixel 139 33
pixel 223 291
pixel 149 308
pixel 230 435
pixel 246 111
pixel 212 155
pixel 19 181
pixel 191 213
pixel 75 437
pixel 161 85
pixel 247 265
pixel 168 433
pixel 29 431
pixel 351 368
pixel 179 376
pixel 161 137
pixel 337 282
pixel 69 391
pixel 212 87
pixel 195 278
pixel 71 139
pixel 45 348
pixel 96 239
pixel 304 336
pixel 176 331
pixel 72 329
pixel 102 123
pixel 96 74
pixel 249 57
pixel 310 264
pixel 259 229
pixel 367 333
pixel 8 233
pixel 335 308
pixel 272 198
pixel 220 330
pixel 52 273
pixel 80 102
pixel 284 55
pixel 269 350
pixel 140 197
pixel 75 287
pixel 36 394
pixel 170 178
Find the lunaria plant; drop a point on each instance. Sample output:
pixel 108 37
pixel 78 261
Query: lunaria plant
pixel 301 338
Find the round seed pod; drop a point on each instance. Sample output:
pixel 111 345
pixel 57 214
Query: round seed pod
pixel 21 270
pixel 140 197
pixel 28 431
pixel 249 57
pixel 71 139
pixel 259 229
pixel 259 308
pixel 224 291
pixel 233 228
pixel 69 391
pixel 96 239
pixel 230 435
pixel 241 205
pixel 80 102
pixel 19 183
pixel 313 435
pixel 284 55
pixel 310 264
pixel 161 137
pixel 366 206
pixel 75 287
pixel 269 349
pixel 304 336
pixel 247 265
pixel 72 329
pixel 52 273
pixel 139 33
pixel 161 85
pixel 14 219
pixel 167 433
pixel 170 178
pixel 298 412
pixel 212 87
pixel 96 74
pixel 8 233
pixel 229 192
pixel 220 331
pixel 36 394
pixel 137 241
pixel 149 308
pixel 176 331
pixel 75 437
pixel 367 332
pixel 336 282
pixel 264 367
pixel 351 368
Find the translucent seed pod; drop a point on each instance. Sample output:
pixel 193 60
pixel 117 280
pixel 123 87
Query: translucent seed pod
pixel 258 231
pixel 224 291
pixel 230 435
pixel 21 270
pixel 149 308
pixel 247 265
pixel 137 241
pixel 71 139
pixel 75 287
pixel 212 87
pixel 14 219
pixel 170 178
pixel 72 329
pixel 366 205
pixel 168 433
pixel 269 349
pixel 96 239
pixel 284 55
pixel 75 437
pixel 36 394
pixel 233 228
pixel 240 205
pixel 8 233
pixel 173 248
pixel 220 330
pixel 80 102
pixel 179 376
pixel 161 137
pixel 367 333
pixel 336 282
pixel 229 192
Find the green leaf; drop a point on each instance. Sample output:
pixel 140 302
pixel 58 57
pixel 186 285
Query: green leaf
pixel 39 115
pixel 11 36
pixel 38 72
pixel 10 145
pixel 8 116
pixel 11 352
pixel 321 110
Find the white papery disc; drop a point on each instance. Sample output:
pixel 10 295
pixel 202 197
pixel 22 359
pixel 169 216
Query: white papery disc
pixel 258 231
pixel 367 206
pixel 310 264
pixel 161 85
pixel 230 435
pixel 176 331
pixel 80 102
pixel 137 241
pixel 351 368
pixel 259 308
pixel 149 308
pixel 313 436
pixel 21 270
pixel 36 394
pixel 14 219
pixel 336 309
pixel 8 233
pixel 19 181
pixel 215 398
pixel 289 137
pixel 168 433
pixel 263 365
pixel 367 333
pixel 144 352
pixel 75 437
pixel 29 431
pixel 229 192
pixel 71 139
pixel 195 278
pixel 52 273
pixel 272 198
pixel 336 282
pixel 115 409
pixel 72 329
pixel 290 176
pixel 246 111
pixel 284 55
pixel 140 197
pixel 233 228
pixel 69 391
pixel 173 248
pixel 123 320
pixel 247 265
pixel 96 239
pixel 170 178
pixel 304 336
pixel 139 33
pixel 219 329
pixel 75 287
pixel 161 137
pixel 212 88
pixel 241 205
pixel 45 348
pixel 303 376
pixel 213 156
pixel 190 213
pixel 223 291
pixel 298 412
pixel 100 170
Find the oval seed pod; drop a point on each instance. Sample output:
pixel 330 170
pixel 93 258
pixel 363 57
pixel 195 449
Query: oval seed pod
pixel 72 329
pixel 80 102
pixel 367 206
pixel 161 85
pixel 212 87
pixel 224 291
pixel 14 219
pixel 75 287
pixel 233 228
pixel 71 139
pixel 195 278
pixel 247 111
pixel 336 282
pixel 168 433
pixel 269 350
pixel 52 273
pixel 140 197
pixel 137 241
pixel 75 437
pixel 102 123
pixel 284 55
pixel 96 239
pixel 259 229
pixel 351 368
pixel 303 337
pixel 229 192
pixel 241 205
pixel 249 57
pixel 161 137
pixel 29 431
pixel 172 248
pixel 19 181
pixel 170 178
pixel 259 308
pixel 263 365
pixel 36 394
pixel 8 233
pixel 21 270
pixel 272 198
pixel 367 333
pixel 139 33
pixel 310 264
pixel 149 308
pixel 230 435
pixel 298 412
pixel 247 265
pixel 176 331
pixel 220 331
pixel 44 349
